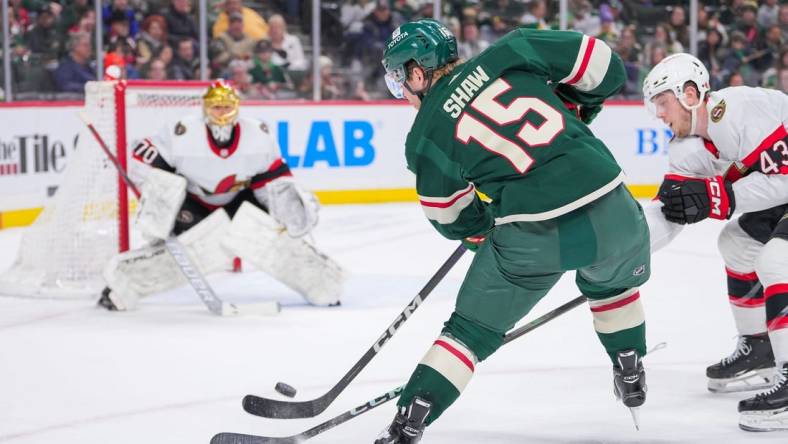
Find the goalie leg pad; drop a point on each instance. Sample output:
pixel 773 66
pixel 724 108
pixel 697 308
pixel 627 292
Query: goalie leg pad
pixel 151 269
pixel 259 239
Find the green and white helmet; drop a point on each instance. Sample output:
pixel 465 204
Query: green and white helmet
pixel 427 42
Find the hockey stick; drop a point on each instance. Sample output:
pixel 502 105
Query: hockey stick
pixel 179 254
pixel 274 408
pixel 239 438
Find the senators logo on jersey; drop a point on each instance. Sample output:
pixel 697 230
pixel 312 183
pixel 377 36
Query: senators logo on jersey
pixel 717 112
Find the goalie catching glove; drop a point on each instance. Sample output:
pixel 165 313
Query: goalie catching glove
pixel 291 206
pixel 687 200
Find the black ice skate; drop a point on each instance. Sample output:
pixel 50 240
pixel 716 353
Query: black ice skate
pixel 750 367
pixel 408 425
pixel 105 301
pixel 629 382
pixel 767 411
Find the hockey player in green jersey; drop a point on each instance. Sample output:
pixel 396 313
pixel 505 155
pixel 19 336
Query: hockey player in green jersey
pixel 499 124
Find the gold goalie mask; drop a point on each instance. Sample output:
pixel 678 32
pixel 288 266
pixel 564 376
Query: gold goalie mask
pixel 220 108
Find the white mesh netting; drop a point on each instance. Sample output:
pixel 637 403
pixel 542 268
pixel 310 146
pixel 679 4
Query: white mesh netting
pixel 62 254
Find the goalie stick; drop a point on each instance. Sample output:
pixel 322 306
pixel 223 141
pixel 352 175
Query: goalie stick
pixel 240 438
pixel 274 408
pixel 181 257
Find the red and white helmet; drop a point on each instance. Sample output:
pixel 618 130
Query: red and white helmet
pixel 671 74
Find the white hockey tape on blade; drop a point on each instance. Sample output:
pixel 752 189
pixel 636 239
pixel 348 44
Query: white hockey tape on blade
pixel 268 308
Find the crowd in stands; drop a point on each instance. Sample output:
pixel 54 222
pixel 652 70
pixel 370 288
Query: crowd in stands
pixel 264 46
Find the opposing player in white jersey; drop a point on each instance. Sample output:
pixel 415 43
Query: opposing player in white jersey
pixel 199 172
pixel 730 156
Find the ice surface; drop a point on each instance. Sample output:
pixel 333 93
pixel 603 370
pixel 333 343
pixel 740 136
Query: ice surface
pixel 172 373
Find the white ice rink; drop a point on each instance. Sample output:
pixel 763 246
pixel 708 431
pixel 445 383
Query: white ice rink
pixel 171 372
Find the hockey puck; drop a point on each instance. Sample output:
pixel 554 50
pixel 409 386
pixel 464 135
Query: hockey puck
pixel 285 389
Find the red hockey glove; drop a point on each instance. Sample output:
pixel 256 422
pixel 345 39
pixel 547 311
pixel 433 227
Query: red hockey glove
pixel 687 200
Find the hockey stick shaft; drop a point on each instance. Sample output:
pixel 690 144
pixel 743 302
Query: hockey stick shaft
pixel 274 408
pixel 238 438
pixel 174 246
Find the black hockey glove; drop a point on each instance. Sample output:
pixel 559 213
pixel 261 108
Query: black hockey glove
pixel 688 200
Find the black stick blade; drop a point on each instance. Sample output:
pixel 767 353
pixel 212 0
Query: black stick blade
pixel 240 438
pixel 278 409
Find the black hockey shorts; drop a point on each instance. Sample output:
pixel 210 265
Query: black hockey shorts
pixel 193 210
pixel 765 224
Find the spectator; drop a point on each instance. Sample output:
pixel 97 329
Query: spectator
pixel 255 26
pixel 156 70
pixel 28 74
pixel 180 23
pixel 535 16
pixel 233 44
pixel 583 20
pixel 470 44
pixel 608 31
pixel 769 53
pixel 72 14
pixel 747 22
pixel 184 64
pixel 152 39
pixel 771 77
pixel 714 23
pixel 783 21
pixel 406 11
pixel 352 17
pixel 711 53
pixel 679 31
pixel 628 47
pixel 738 58
pixel 19 18
pixel 267 76
pixel 729 10
pixel 119 36
pixel 508 11
pixel 656 53
pixel 496 29
pixel 86 23
pixel 117 8
pixel 42 39
pixel 330 88
pixel 287 48
pixel 768 14
pixel 735 79
pixel 662 38
pixel 783 75
pixel 74 70
pixel 378 27
pixel 238 71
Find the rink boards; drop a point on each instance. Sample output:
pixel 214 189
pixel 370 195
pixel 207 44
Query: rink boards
pixel 348 152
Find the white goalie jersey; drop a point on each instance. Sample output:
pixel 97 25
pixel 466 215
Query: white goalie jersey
pixel 214 174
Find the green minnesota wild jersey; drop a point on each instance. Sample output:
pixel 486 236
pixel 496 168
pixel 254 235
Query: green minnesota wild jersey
pixel 495 124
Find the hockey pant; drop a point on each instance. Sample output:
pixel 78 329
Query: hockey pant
pixel 213 242
pixel 755 250
pixel 606 242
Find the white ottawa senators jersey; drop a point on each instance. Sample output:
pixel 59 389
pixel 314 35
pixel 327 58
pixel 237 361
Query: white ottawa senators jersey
pixel 748 146
pixel 215 174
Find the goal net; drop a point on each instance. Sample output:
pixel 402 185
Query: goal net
pixel 87 220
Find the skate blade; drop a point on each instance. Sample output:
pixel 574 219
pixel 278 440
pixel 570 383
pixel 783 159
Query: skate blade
pixel 635 411
pixel 755 380
pixel 765 421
